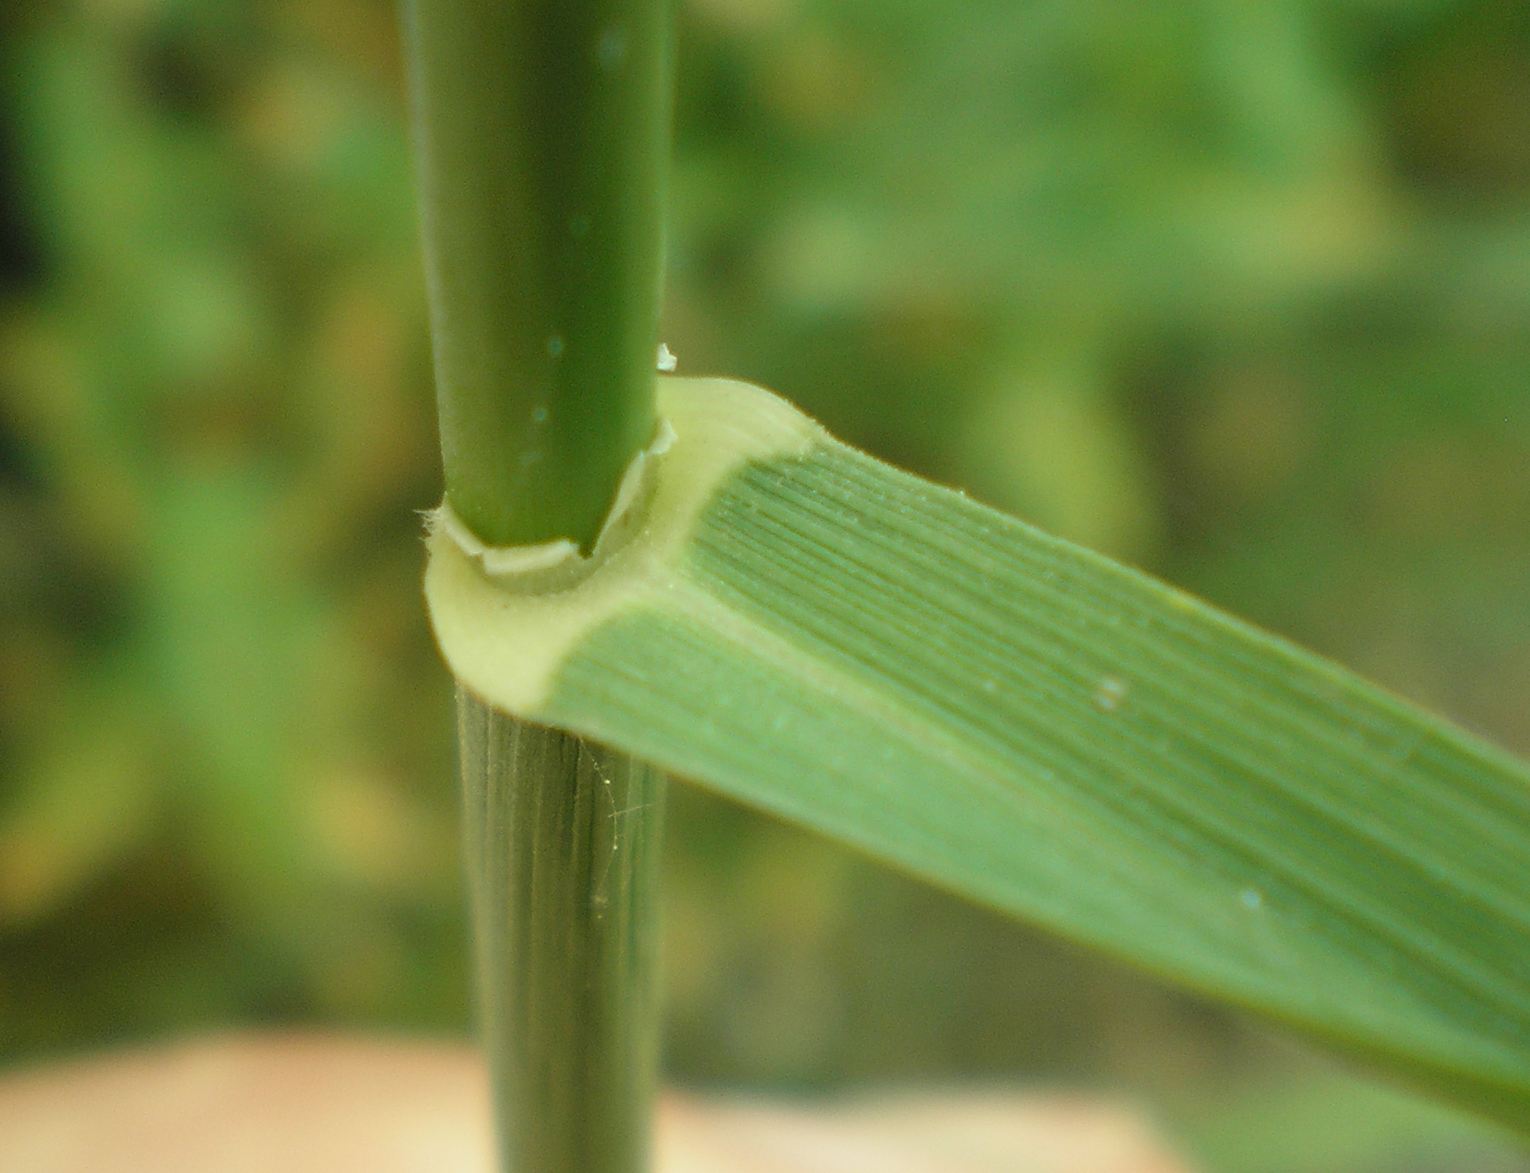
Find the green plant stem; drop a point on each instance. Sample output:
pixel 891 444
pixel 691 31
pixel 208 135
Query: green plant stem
pixel 542 135
pixel 562 846
pixel 542 140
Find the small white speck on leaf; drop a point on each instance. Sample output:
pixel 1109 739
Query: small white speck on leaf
pixel 539 415
pixel 612 47
pixel 1251 899
pixel 666 360
pixel 990 685
pixel 1110 694
pixel 555 346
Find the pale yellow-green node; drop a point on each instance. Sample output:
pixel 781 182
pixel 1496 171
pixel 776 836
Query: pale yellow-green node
pixel 507 618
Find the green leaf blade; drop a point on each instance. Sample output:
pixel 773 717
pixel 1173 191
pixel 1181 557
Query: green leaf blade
pixel 1065 739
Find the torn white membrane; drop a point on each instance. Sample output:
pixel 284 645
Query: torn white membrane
pixel 508 561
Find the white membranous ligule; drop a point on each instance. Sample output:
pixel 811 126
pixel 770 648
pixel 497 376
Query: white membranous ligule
pixel 562 553
pixel 507 617
pixel 543 556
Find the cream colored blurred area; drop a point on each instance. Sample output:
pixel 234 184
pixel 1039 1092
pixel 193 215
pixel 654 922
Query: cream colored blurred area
pixel 1238 291
pixel 325 1104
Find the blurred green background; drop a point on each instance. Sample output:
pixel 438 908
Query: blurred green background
pixel 1239 292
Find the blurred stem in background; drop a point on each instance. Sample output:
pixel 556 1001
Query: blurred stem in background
pixel 542 138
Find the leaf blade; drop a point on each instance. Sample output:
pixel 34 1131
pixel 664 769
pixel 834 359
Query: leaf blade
pixel 1068 740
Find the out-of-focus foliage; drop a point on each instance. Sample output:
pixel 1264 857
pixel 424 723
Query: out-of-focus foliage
pixel 1240 292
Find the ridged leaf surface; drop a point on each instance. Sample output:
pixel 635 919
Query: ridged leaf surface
pixel 1058 736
